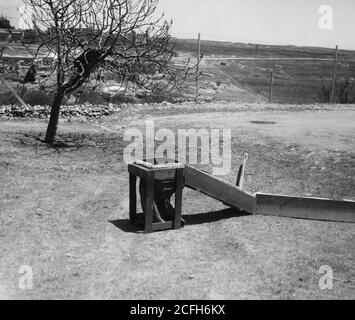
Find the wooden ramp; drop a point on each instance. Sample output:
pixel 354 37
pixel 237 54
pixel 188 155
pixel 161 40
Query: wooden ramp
pixel 305 208
pixel 269 204
pixel 219 189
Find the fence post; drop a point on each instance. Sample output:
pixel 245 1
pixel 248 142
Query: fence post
pixel 332 92
pixel 198 65
pixel 270 85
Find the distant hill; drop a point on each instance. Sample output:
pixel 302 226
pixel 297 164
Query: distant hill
pixel 218 48
pixel 301 74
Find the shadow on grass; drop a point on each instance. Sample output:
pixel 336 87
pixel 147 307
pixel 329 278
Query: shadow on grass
pixel 72 142
pixel 126 226
pixel 214 216
pixel 194 219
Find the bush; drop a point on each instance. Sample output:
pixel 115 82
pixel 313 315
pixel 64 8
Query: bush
pixel 344 92
pixel 160 97
pixel 121 98
pixel 7 98
pixel 42 98
pixel 91 97
pixel 37 97
pixel 30 97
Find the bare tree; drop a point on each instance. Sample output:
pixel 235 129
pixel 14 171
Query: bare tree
pixel 86 37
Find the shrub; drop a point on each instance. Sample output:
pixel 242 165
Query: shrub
pixel 344 91
pixel 7 98
pixel 37 97
pixel 30 97
pixel 121 98
pixel 91 97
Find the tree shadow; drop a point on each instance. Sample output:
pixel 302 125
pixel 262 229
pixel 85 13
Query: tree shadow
pixel 194 219
pixel 72 141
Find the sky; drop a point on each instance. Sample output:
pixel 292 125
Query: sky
pixel 294 22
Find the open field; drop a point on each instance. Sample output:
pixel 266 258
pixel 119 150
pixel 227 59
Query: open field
pixel 241 72
pixel 229 49
pixel 299 72
pixel 64 210
pixel 295 81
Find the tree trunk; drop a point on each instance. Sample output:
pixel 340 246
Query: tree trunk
pixel 53 120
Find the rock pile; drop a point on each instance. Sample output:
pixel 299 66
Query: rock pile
pixel 84 110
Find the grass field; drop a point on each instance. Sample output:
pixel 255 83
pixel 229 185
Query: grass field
pixel 299 73
pixel 64 210
pixel 294 81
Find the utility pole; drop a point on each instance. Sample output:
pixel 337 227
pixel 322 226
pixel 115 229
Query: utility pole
pixel 198 65
pixel 270 85
pixel 332 92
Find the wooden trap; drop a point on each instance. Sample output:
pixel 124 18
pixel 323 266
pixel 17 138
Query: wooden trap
pixel 158 182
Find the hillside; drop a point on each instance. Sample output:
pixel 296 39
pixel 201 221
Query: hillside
pixel 219 48
pixel 241 72
pixel 300 73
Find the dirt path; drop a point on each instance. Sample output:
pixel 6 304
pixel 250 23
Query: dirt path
pixel 322 130
pixel 64 212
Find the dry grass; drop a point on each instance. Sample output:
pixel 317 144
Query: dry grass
pixel 64 211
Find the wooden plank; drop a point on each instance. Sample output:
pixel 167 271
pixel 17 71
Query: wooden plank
pixel 138 171
pixel 149 203
pixel 241 173
pixel 160 173
pixel 305 208
pixel 132 197
pixel 178 198
pixel 159 226
pixel 149 165
pixel 165 174
pixel 219 189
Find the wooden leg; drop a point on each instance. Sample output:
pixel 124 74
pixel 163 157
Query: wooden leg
pixel 132 197
pixel 149 203
pixel 178 198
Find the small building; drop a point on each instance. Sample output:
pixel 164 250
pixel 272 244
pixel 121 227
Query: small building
pixel 16 35
pixel 4 35
pixel 11 35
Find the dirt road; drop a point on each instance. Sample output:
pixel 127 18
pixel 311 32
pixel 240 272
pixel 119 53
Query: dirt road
pixel 321 130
